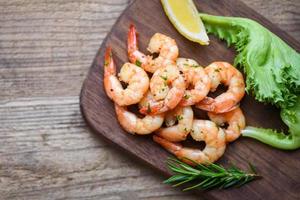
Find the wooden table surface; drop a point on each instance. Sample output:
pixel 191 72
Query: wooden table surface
pixel 46 150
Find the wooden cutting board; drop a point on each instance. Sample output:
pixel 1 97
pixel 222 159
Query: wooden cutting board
pixel 280 169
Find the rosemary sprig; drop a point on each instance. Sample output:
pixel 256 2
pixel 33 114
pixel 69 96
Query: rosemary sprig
pixel 208 176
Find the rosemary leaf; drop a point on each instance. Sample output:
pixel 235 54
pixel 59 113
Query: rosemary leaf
pixel 217 167
pixel 231 183
pixel 175 178
pixel 189 168
pixel 197 185
pixel 180 171
pixel 185 181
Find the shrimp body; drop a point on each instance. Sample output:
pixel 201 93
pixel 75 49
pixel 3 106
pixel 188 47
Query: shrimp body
pixel 136 77
pixel 235 120
pixel 203 130
pixel 165 46
pixel 135 125
pixel 214 137
pixel 159 43
pixel 175 133
pixel 223 73
pixel 196 79
pixel 167 87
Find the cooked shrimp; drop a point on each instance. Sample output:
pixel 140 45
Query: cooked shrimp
pixel 135 125
pixel 175 133
pixel 165 46
pixel 235 120
pixel 136 77
pixel 225 73
pixel 203 130
pixel 167 87
pixel 196 77
pixel 159 43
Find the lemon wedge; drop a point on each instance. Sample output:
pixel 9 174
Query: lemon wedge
pixel 184 16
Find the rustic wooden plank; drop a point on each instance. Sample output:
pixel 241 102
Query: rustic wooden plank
pixel 46 150
pixel 104 122
pixel 62 38
pixel 285 14
pixel 56 37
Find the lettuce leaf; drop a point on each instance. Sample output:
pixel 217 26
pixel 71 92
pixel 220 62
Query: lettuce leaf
pixel 272 71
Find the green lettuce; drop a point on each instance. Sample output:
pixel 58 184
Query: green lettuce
pixel 273 73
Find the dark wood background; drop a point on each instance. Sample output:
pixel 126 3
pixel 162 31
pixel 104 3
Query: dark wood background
pixel 46 150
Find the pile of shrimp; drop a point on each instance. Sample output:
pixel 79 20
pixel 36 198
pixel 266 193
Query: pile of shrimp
pixel 167 96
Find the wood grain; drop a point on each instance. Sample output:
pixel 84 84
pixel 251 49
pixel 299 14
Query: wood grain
pixel 46 150
pixel 99 112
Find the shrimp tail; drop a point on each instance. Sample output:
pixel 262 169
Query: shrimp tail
pixel 132 45
pixel 151 109
pixel 124 120
pixel 170 146
pixel 184 102
pixel 119 109
pixel 226 109
pixel 209 104
pixel 206 104
pixel 109 65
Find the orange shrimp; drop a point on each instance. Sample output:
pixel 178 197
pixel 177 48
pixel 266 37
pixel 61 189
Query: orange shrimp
pixel 135 125
pixel 196 80
pixel 136 77
pixel 225 73
pixel 167 87
pixel 176 133
pixel 236 122
pixel 203 130
pixel 159 43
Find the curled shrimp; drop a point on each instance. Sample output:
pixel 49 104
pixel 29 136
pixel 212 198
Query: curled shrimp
pixel 235 120
pixel 196 79
pixel 167 87
pixel 203 130
pixel 135 125
pixel 175 133
pixel 225 73
pixel 159 43
pixel 136 77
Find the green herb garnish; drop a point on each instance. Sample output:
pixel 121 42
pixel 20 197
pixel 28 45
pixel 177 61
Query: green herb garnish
pixel 106 63
pixel 149 108
pixel 186 130
pixel 208 176
pixel 165 78
pixel 218 70
pixel 138 63
pixel 179 117
pixel 186 96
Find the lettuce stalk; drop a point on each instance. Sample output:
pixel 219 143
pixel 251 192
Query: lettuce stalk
pixel 291 117
pixel 272 71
